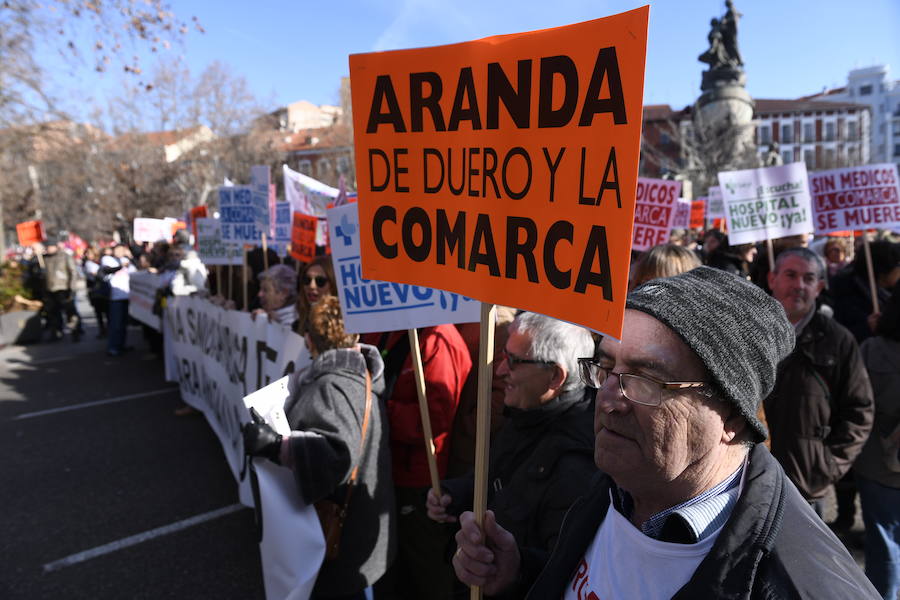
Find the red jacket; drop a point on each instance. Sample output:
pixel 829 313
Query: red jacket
pixel 446 364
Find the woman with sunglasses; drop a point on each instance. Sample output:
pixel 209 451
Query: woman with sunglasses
pixel 316 282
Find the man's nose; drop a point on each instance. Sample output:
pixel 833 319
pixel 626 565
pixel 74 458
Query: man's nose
pixel 503 366
pixel 610 398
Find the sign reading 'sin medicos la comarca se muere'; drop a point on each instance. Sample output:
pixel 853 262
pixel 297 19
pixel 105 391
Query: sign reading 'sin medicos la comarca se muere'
pixel 505 169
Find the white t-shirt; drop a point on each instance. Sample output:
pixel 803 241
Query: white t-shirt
pixel 623 564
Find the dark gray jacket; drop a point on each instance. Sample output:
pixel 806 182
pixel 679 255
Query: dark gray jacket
pixel 325 412
pixel 772 547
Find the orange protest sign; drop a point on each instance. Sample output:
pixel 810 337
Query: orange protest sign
pixel 176 225
pixel 505 169
pixel 698 214
pixel 303 237
pixel 30 232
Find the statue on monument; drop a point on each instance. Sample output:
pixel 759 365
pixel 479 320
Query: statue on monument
pixel 773 156
pixel 723 56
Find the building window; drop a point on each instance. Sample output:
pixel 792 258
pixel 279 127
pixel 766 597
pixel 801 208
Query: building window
pixel 829 158
pixel 865 90
pixel 851 130
pixel 787 134
pixel 787 156
pixel 852 157
pixel 808 132
pixel 829 132
pixel 305 167
pixel 664 139
pixel 765 134
pixel 896 127
pixel 809 157
pixel 896 149
pixel 343 165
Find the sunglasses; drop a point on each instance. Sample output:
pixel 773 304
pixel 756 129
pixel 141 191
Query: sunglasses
pixel 320 280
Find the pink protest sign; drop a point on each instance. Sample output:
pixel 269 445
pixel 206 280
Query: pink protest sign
pixel 856 198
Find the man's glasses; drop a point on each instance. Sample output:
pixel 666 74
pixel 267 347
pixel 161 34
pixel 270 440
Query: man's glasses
pixel 320 280
pixel 640 389
pixel 513 361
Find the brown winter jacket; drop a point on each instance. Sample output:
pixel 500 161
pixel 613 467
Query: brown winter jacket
pixel 61 271
pixel 821 410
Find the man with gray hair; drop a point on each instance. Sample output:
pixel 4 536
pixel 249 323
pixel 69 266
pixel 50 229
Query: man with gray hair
pixel 821 410
pixel 541 460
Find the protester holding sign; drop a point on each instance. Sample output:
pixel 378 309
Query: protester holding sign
pixel 339 433
pixel 316 282
pixel 117 267
pixel 851 291
pixel 278 295
pixel 689 504
pixel 541 460
pixel 421 570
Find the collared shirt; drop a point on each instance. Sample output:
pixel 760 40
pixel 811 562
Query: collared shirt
pixel 690 521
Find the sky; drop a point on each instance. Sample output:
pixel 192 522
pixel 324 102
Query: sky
pixel 297 49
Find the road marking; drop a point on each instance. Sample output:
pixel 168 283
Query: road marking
pixel 53 411
pixel 133 540
pixel 16 362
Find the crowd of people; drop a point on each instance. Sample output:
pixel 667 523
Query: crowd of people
pixel 690 459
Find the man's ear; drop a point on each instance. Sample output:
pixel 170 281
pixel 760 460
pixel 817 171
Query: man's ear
pixel 734 425
pixel 560 374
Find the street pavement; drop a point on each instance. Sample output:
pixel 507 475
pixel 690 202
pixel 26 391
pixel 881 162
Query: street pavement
pixel 113 499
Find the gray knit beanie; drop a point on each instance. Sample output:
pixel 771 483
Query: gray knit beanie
pixel 739 332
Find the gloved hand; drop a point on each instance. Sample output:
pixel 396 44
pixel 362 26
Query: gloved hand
pixel 260 439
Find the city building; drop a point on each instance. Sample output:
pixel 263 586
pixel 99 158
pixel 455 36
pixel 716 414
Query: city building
pixel 824 135
pixel 873 87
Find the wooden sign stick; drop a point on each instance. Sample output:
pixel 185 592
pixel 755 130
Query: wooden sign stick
pixel 244 277
pixel 771 252
pixel 873 288
pixel 265 249
pixel 423 411
pixel 218 280
pixel 230 280
pixel 483 418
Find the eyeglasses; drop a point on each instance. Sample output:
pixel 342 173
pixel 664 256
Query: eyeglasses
pixel 640 389
pixel 320 280
pixel 513 361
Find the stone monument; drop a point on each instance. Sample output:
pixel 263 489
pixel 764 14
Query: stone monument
pixel 724 107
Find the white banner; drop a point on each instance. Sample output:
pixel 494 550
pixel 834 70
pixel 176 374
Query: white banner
pixel 369 305
pixel 310 197
pixel 142 286
pixel 220 356
pixel 152 230
pixel 210 246
pixel 770 202
pixel 292 545
pixel 654 209
pixel 237 214
pixel 856 198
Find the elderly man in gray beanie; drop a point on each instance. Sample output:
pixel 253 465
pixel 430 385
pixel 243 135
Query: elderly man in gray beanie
pixel 688 503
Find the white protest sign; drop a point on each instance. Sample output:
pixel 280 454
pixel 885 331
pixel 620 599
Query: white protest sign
pixel 260 178
pixel 211 247
pixel 218 357
pixel 238 216
pixel 856 198
pixel 369 305
pixel 682 217
pixel 142 286
pixel 653 212
pixel 292 545
pixel 715 206
pixel 151 230
pixel 282 222
pixel 310 197
pixel 770 202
